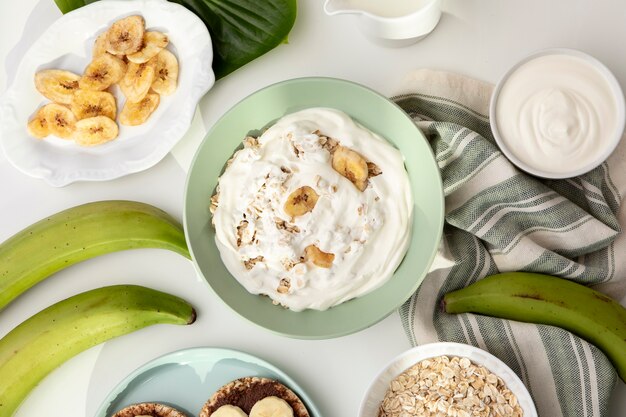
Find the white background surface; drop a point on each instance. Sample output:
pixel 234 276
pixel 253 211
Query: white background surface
pixel 478 38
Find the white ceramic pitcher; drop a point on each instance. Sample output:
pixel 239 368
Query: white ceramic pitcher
pixel 399 21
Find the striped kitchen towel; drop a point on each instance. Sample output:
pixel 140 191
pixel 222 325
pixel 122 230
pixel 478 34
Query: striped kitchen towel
pixel 500 219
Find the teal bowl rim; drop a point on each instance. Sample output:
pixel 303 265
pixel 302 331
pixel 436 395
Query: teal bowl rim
pixel 337 334
pixel 289 381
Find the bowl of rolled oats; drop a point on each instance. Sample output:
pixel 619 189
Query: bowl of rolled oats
pixel 447 379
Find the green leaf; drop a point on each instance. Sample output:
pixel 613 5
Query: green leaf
pixel 69 5
pixel 241 30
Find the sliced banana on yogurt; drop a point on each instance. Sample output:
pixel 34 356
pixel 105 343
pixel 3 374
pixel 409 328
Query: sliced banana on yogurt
pixel 229 411
pixel 271 407
pixel 318 257
pixel 301 201
pixel 351 165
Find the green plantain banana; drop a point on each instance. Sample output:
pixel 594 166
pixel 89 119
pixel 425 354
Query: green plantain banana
pixel 80 233
pixel 37 346
pixel 545 299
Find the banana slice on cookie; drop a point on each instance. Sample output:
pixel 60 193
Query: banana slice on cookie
pixel 57 85
pixel 166 73
pixel 255 396
pixel 153 43
pixel 102 72
pixel 351 165
pixel 88 103
pixel 134 114
pixel 95 131
pixel 229 411
pixel 137 81
pixel 271 407
pixel 301 201
pixel 125 36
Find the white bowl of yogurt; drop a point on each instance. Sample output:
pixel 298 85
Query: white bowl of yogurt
pixel 558 113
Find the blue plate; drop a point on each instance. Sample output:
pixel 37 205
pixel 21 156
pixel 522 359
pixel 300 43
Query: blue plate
pixel 186 379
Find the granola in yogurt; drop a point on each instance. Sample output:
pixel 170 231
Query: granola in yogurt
pixel 315 211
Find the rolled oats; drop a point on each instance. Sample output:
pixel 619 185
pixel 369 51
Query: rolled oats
pixel 245 235
pixel 283 286
pixel 449 387
pixel 250 263
pixel 250 142
pixel 284 225
pixel 327 143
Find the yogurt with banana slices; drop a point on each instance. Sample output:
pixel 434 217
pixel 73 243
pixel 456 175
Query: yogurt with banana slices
pixel 314 212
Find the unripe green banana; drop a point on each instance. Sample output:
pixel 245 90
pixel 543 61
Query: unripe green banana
pixel 80 233
pixel 43 342
pixel 544 299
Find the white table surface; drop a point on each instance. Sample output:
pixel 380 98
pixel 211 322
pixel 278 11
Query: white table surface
pixel 479 38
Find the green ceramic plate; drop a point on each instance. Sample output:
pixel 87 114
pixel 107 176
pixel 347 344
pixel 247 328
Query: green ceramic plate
pixel 376 113
pixel 186 379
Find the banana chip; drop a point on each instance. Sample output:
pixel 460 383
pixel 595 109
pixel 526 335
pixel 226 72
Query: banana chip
pixel 166 73
pixel 57 85
pixel 125 36
pixel 60 120
pixel 102 72
pixel 99 46
pixel 134 114
pixel 95 131
pixel 38 126
pixel 87 103
pixel 153 43
pixel 125 54
pixel 137 81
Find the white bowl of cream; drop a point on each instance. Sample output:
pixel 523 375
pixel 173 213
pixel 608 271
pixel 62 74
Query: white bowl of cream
pixel 558 113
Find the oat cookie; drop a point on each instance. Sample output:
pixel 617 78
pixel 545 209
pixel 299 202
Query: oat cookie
pixel 246 392
pixel 149 409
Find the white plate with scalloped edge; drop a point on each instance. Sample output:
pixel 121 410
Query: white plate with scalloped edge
pixel 67 44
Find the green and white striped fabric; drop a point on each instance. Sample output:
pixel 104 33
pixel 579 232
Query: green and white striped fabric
pixel 501 219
